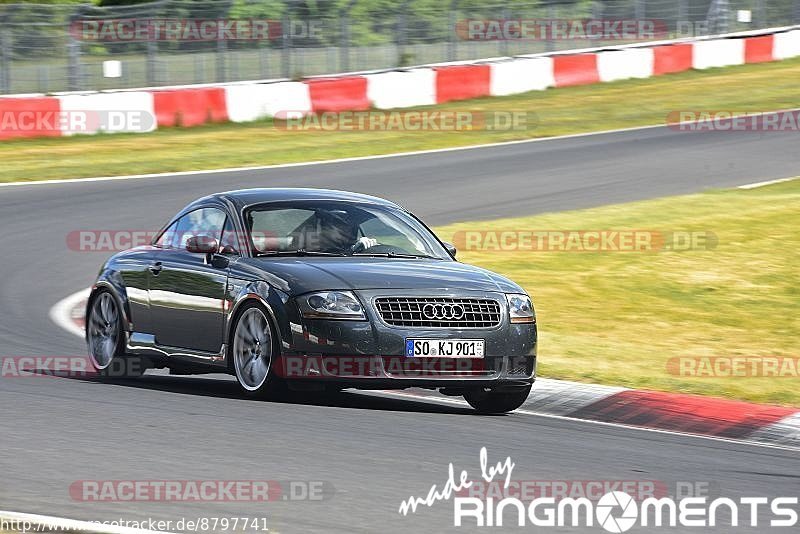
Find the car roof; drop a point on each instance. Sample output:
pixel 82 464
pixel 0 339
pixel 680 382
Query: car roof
pixel 241 198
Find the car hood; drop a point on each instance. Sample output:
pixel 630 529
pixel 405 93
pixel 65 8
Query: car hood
pixel 301 275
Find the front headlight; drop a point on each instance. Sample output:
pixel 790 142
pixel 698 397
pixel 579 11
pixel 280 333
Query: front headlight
pixel 331 305
pixel 520 308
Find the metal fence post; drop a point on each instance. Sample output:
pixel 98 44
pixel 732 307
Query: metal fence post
pixel 639 9
pixel 344 42
pixel 222 48
pixel 452 41
pixel 402 29
pixel 151 47
pixel 760 17
pixel 504 42
pixel 263 62
pixel 286 46
pixel 683 17
pixel 717 12
pixel 344 36
pixel 73 65
pixel 150 63
pixel 5 61
pixel 550 44
pixel 597 14
pixel 74 81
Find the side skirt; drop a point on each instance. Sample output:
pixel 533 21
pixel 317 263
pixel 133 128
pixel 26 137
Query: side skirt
pixel 140 344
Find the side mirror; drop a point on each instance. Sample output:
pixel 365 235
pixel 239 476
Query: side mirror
pixel 202 244
pixel 451 248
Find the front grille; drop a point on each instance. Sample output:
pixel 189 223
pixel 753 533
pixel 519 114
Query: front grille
pixel 439 312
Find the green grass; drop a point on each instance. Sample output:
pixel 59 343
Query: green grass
pixel 617 318
pixel 569 110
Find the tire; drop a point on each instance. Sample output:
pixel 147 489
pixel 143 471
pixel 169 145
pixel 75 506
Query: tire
pixel 105 340
pixel 253 349
pixel 497 402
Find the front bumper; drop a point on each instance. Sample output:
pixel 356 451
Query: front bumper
pixel 370 354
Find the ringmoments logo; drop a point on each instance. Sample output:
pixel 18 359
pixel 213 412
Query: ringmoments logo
pixel 615 511
pixel 606 507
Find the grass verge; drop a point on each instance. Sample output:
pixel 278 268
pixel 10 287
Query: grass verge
pixel 618 317
pixel 767 86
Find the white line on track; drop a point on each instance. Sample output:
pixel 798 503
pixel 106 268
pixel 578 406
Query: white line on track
pixel 359 158
pixel 323 162
pixel 66 525
pixel 768 182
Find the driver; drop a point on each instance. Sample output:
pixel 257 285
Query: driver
pixel 338 233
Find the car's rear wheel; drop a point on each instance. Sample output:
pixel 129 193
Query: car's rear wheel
pixel 106 340
pixel 496 402
pixel 253 351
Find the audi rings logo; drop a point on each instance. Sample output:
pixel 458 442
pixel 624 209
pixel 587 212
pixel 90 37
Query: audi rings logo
pixel 443 311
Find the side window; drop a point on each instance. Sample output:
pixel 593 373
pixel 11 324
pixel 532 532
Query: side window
pixel 229 244
pixel 282 229
pixel 167 239
pixel 205 221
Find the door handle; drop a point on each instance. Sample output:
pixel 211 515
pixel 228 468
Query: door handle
pixel 155 268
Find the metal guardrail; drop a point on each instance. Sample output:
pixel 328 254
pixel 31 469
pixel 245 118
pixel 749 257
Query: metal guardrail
pixel 58 47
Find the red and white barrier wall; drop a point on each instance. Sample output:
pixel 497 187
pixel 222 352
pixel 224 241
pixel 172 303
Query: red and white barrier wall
pixel 146 110
pixel 520 75
pixel 402 89
pixel 121 112
pixel 253 101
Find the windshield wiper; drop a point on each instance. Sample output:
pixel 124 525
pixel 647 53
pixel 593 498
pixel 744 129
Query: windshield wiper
pixel 299 252
pixel 394 255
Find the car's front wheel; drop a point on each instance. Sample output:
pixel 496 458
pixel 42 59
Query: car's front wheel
pixel 106 340
pixel 253 350
pixel 496 402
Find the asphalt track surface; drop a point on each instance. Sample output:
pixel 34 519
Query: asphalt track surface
pixel 374 451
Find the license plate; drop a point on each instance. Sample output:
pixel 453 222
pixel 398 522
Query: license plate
pixel 444 348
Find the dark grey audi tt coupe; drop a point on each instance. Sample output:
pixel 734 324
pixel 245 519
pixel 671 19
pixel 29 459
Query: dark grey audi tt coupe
pixel 312 289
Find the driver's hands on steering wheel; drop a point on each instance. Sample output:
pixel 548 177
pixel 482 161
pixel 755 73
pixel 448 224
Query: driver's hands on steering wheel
pixel 364 243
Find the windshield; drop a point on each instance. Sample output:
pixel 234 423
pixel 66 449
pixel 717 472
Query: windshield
pixel 338 228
